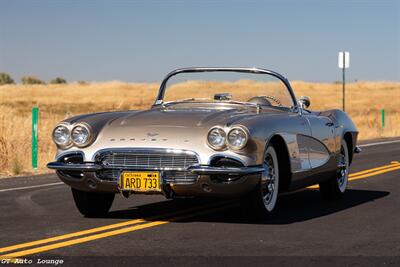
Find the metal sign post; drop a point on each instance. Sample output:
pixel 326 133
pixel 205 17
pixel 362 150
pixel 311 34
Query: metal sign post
pixel 344 63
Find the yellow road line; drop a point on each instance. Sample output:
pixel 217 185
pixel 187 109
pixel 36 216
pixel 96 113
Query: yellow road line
pixel 103 235
pixel 374 173
pixel 368 173
pixel 75 234
pixel 81 240
pixel 95 230
pixel 374 169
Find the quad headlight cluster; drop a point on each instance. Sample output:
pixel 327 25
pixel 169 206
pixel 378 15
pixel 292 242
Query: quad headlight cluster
pixel 65 135
pixel 236 138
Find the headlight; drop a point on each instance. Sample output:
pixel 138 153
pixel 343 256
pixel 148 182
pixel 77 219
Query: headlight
pixel 61 135
pixel 216 138
pixel 81 135
pixel 237 138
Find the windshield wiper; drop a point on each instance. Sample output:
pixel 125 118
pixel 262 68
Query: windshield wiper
pixel 184 100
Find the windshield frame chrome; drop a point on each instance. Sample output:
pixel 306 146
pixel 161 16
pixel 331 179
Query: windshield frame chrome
pixel 159 100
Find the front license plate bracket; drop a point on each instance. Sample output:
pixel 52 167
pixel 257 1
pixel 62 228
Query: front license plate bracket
pixel 140 181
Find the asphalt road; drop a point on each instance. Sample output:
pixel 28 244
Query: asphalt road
pixel 366 222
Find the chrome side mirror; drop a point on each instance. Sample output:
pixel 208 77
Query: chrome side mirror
pixel 304 102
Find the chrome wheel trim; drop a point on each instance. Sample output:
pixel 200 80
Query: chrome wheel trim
pixel 270 180
pixel 343 168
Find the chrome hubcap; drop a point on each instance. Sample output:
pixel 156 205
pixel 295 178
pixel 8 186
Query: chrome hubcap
pixel 268 180
pixel 342 170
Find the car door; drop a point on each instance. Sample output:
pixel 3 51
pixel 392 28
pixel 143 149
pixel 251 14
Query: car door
pixel 322 143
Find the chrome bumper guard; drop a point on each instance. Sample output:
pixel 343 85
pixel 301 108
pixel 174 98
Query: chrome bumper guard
pixel 201 170
pixel 86 167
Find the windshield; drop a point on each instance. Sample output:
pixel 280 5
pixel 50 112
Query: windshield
pixel 227 86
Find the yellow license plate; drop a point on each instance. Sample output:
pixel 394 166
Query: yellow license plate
pixel 140 181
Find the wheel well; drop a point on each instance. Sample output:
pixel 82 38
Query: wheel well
pixel 283 162
pixel 349 142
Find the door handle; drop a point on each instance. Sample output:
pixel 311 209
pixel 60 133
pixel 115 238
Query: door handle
pixel 330 124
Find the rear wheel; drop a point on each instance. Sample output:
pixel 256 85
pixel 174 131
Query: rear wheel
pixel 334 188
pixel 92 204
pixel 265 197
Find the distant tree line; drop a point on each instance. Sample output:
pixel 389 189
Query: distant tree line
pixel 6 78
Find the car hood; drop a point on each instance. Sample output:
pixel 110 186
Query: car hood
pixel 192 118
pixel 159 124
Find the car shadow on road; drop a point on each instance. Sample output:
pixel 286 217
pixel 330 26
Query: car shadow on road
pixel 296 207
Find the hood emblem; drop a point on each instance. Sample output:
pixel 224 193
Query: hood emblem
pixel 152 134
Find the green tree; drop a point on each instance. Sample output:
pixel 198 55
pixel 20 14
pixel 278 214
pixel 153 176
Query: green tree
pixel 58 80
pixel 5 78
pixel 31 80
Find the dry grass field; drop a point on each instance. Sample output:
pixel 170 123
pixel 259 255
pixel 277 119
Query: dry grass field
pixel 56 102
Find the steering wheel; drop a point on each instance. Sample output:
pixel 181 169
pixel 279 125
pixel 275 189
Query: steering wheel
pixel 276 100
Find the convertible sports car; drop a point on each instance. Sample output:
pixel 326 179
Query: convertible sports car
pixel 224 132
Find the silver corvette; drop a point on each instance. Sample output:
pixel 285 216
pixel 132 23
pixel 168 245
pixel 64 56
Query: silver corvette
pixel 212 132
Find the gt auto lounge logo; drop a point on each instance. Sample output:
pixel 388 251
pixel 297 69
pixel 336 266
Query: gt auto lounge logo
pixel 38 261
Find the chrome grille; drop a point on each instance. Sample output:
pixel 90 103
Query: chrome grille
pixel 147 160
pixel 173 164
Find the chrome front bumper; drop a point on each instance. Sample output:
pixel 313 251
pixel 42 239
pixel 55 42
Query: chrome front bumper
pixel 244 179
pixel 200 169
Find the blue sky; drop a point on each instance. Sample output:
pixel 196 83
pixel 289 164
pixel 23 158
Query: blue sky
pixel 139 41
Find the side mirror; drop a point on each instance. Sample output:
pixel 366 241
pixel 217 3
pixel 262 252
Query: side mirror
pixel 304 102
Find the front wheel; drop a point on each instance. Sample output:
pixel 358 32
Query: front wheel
pixel 92 204
pixel 265 197
pixel 334 188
